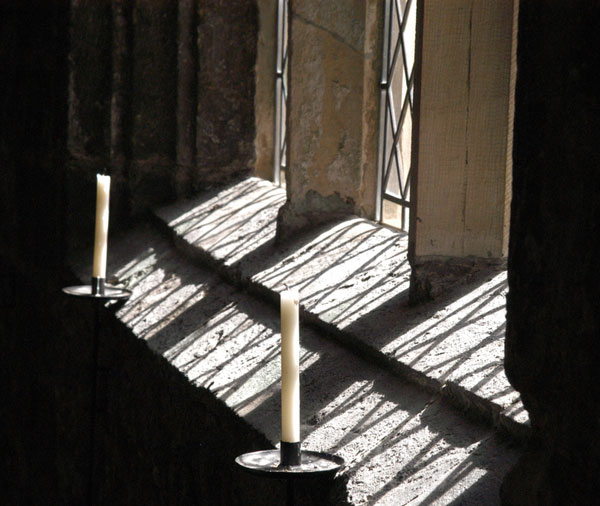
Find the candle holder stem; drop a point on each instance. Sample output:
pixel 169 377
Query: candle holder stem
pixel 291 454
pixel 100 293
pixel 94 402
pixel 98 286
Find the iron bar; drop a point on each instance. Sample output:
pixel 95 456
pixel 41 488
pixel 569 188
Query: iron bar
pixel 391 124
pixel 281 56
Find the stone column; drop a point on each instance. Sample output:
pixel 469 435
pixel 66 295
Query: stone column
pixel 89 135
pixel 460 191
pixel 553 308
pixel 227 32
pixel 187 72
pixel 264 99
pixel 335 53
pixel 154 103
pixel 120 113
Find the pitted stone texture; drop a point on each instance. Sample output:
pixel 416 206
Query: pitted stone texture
pixel 353 279
pixel 400 443
pixel 343 272
pixel 264 97
pixel 230 224
pixel 344 21
pixel 325 86
pixel 227 45
pixel 333 95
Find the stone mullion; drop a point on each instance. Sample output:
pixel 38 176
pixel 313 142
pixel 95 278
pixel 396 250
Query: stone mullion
pixel 332 114
pixel 461 163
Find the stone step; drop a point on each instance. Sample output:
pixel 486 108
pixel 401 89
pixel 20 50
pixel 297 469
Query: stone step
pixel 401 444
pixel 353 277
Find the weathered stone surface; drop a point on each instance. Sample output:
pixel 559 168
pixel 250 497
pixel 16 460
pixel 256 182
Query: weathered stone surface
pixel 464 96
pixel 232 223
pixel 153 103
pixel 90 81
pixel 324 112
pixel 227 33
pixel 344 21
pixel 264 98
pixel 314 209
pixel 553 313
pixel 432 279
pixel 331 112
pixel 140 108
pixel 400 444
pixel 354 281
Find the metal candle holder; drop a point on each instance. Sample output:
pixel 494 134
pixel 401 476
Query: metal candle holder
pixel 290 462
pixel 100 292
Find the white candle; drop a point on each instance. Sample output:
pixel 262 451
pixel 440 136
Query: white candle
pixel 101 233
pixel 290 367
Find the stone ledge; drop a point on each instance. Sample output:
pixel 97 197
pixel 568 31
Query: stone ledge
pixel 401 443
pixel 353 277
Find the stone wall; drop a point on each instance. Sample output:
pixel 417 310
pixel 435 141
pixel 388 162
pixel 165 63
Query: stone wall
pixel 88 85
pixel 162 440
pixel 553 313
pixel 335 58
pixel 161 95
pixel 462 147
pixel 227 35
pixel 264 100
pixel 462 155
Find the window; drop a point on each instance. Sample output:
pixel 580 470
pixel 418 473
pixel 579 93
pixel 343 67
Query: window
pixel 281 84
pixel 396 113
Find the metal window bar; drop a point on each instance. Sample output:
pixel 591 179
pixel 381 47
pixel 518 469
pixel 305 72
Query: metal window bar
pixel 396 108
pixel 281 84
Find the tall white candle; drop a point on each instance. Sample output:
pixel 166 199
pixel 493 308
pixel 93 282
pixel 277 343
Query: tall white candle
pixel 290 367
pixel 101 233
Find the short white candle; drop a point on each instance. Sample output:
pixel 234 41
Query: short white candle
pixel 101 233
pixel 290 367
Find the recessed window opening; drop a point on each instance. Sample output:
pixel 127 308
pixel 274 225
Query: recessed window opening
pixel 396 113
pixel 281 87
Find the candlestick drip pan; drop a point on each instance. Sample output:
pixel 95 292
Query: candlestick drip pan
pixel 268 462
pixel 110 292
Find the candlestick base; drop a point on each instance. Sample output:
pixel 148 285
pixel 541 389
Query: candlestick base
pixel 98 285
pixel 93 291
pixel 290 453
pixel 269 463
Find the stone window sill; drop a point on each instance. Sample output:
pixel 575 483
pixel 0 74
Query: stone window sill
pixel 353 278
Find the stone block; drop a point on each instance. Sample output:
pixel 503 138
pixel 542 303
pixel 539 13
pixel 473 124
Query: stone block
pixel 332 112
pixel 227 33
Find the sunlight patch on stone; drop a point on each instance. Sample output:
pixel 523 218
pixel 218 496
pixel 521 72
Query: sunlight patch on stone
pixel 233 223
